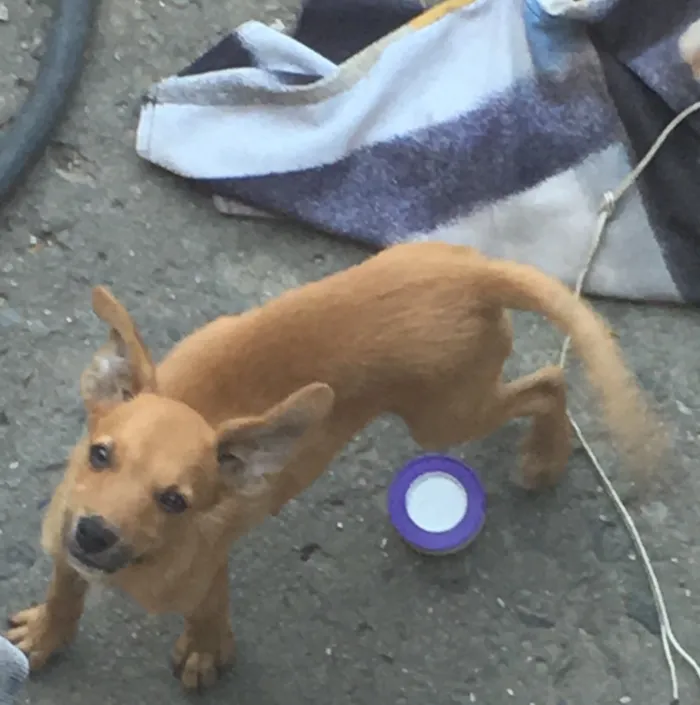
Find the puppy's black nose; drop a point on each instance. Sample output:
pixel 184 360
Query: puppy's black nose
pixel 93 535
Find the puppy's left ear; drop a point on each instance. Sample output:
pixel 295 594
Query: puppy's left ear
pixel 249 449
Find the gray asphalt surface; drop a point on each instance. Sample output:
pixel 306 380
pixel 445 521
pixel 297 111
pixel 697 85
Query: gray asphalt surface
pixel 549 607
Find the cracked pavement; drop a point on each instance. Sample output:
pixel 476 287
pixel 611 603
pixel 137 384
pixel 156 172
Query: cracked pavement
pixel 548 607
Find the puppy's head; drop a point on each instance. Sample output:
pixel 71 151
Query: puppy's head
pixel 152 476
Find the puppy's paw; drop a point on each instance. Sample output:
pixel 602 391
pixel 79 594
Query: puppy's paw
pixel 34 632
pixel 537 473
pixel 543 460
pixel 198 661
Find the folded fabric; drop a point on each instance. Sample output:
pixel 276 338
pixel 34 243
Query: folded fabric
pixel 493 123
pixel 14 669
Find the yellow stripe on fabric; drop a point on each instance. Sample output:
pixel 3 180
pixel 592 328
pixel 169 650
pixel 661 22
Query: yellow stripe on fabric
pixel 437 12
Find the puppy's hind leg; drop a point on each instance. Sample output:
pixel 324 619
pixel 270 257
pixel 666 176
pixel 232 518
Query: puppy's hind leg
pixel 476 409
pixel 547 445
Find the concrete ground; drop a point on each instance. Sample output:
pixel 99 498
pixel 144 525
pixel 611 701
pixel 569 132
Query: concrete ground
pixel 549 607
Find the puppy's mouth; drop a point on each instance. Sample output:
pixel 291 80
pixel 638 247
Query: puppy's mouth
pixel 96 558
pixel 107 562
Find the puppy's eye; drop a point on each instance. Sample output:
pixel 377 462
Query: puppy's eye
pixel 172 501
pixel 100 456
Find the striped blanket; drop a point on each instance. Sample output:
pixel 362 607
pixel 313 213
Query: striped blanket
pixel 493 123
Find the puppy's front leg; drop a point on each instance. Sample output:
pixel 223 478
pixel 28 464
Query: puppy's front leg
pixel 39 631
pixel 206 644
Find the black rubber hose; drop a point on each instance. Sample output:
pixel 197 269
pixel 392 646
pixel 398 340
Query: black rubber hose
pixel 25 140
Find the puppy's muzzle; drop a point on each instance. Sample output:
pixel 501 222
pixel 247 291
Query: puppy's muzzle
pixel 96 545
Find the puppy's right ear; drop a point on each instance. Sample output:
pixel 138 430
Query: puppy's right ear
pixel 122 368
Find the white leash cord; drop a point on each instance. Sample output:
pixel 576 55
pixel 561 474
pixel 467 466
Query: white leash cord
pixel 606 211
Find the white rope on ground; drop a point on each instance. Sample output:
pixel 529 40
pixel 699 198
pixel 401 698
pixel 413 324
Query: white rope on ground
pixel 606 211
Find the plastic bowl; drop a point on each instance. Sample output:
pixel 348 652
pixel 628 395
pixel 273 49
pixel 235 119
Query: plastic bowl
pixel 437 504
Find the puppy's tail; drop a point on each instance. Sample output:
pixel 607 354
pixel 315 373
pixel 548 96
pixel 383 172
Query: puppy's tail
pixel 522 287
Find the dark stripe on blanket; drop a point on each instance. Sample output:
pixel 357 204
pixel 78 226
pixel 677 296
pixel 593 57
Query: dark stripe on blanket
pixel 632 26
pixel 669 185
pixel 229 53
pixel 418 182
pixel 338 29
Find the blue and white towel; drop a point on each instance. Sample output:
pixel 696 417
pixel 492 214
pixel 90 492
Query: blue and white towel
pixel 493 123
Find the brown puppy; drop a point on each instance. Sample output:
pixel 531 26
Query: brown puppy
pixel 245 413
